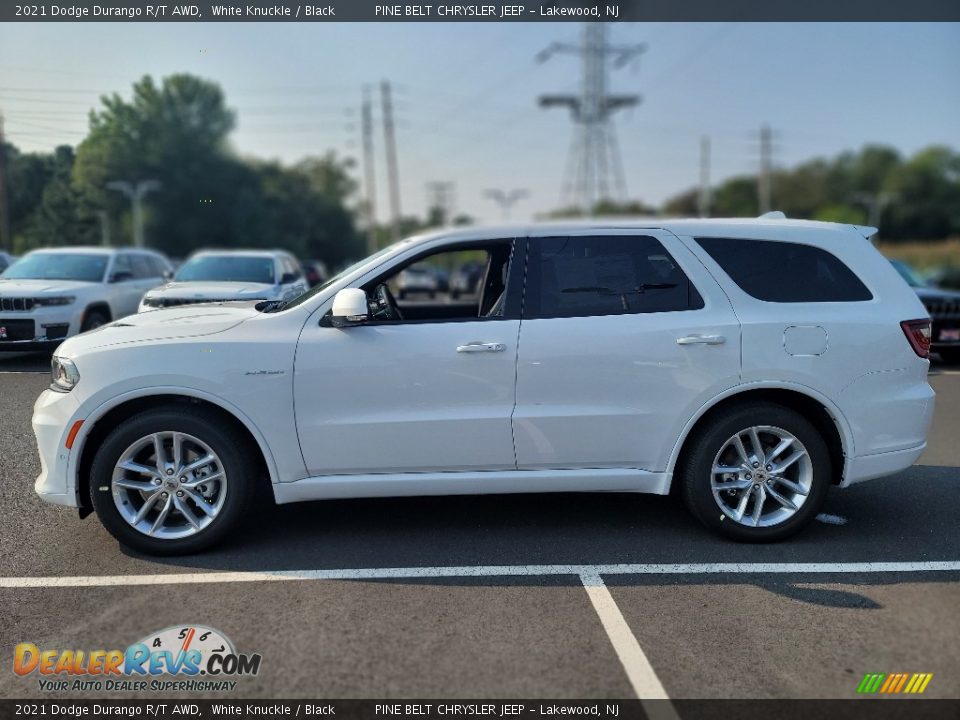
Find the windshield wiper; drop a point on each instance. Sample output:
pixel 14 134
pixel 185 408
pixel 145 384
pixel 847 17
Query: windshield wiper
pixel 271 305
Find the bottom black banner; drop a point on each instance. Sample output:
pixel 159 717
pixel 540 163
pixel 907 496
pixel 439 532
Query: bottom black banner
pixel 874 709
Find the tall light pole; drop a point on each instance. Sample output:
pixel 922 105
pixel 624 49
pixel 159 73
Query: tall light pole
pixel 506 200
pixel 136 192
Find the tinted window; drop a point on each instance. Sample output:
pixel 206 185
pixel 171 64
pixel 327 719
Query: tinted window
pixel 785 271
pixel 614 275
pixel 142 269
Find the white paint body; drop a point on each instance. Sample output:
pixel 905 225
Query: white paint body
pixel 566 404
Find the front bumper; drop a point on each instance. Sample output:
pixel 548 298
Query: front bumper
pixel 53 415
pixel 42 328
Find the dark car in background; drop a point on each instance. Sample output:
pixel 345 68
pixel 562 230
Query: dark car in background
pixel 944 308
pixel 6 261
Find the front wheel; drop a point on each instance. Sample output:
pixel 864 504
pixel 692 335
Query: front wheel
pixel 171 480
pixel 759 473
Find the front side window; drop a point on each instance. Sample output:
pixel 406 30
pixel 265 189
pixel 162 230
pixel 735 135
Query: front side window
pixel 228 268
pixel 785 272
pixel 605 275
pixel 59 266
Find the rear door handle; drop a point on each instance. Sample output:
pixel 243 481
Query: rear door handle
pixel 701 340
pixel 481 347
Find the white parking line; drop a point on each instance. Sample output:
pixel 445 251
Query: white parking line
pixel 643 679
pixel 413 573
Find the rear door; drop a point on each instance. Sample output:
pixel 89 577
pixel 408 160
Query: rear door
pixel 624 336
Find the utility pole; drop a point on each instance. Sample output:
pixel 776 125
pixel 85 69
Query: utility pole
pixel 393 173
pixel 136 192
pixel 6 239
pixel 764 179
pixel 369 175
pixel 441 195
pixel 703 201
pixel 506 199
pixel 104 228
pixel 594 151
pixel 875 203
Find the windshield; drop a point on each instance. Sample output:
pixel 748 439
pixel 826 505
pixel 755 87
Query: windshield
pixel 59 266
pixel 342 274
pixel 908 274
pixel 227 268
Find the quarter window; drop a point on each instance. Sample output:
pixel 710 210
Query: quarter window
pixel 606 275
pixel 786 272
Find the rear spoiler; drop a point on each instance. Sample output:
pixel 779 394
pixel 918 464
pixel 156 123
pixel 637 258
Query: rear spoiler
pixel 865 230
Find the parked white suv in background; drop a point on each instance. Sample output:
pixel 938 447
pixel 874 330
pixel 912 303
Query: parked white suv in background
pixel 51 294
pixel 751 364
pixel 225 275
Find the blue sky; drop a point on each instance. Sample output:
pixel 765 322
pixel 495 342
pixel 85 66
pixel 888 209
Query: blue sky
pixel 466 93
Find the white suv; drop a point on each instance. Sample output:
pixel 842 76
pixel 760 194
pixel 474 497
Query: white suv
pixel 224 275
pixel 751 364
pixel 52 294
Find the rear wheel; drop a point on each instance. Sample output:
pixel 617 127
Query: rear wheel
pixel 758 473
pixel 171 481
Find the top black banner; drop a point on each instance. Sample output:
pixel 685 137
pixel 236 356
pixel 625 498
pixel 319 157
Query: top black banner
pixel 431 11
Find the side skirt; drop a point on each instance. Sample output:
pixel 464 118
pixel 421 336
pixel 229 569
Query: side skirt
pixel 472 483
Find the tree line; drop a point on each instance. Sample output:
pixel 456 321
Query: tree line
pixel 177 133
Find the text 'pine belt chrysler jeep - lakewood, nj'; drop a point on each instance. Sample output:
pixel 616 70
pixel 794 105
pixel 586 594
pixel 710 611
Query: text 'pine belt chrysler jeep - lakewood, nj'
pixel 749 364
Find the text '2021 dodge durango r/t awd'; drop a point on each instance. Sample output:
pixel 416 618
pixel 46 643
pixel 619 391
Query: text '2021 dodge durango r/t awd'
pixel 750 364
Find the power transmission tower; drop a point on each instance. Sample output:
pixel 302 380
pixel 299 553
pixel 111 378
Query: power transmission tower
pixel 764 179
pixel 369 174
pixel 441 195
pixel 393 172
pixel 136 192
pixel 506 199
pixel 594 155
pixel 6 239
pixel 703 200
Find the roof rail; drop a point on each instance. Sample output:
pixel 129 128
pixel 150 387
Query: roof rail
pixel 773 215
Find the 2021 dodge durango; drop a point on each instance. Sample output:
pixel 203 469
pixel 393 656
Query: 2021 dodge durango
pixel 750 364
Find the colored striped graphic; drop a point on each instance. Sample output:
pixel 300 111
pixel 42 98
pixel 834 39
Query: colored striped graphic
pixel 894 683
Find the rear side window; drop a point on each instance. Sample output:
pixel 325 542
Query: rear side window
pixel 607 275
pixel 786 272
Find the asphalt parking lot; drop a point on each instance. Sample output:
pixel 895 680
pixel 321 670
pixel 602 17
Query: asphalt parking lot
pixel 556 596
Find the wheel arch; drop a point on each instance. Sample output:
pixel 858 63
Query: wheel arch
pixel 101 305
pixel 107 416
pixel 826 417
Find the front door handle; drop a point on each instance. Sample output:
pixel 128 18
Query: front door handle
pixel 481 347
pixel 701 340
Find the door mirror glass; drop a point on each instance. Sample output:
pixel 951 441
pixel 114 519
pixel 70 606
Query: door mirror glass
pixel 288 278
pixel 349 308
pixel 121 276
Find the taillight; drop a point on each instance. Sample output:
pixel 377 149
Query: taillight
pixel 918 332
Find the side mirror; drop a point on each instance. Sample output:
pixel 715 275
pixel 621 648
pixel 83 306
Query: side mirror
pixel 168 275
pixel 288 278
pixel 349 308
pixel 121 276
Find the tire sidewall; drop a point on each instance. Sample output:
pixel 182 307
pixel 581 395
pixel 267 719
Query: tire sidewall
pixel 201 426
pixel 697 471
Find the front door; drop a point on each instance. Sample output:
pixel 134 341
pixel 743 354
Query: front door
pixel 432 393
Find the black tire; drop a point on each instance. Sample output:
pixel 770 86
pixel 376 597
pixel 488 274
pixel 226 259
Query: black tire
pixel 203 424
pixel 951 356
pixel 695 473
pixel 93 319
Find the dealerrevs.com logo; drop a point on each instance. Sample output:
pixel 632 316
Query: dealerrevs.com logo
pixel 196 657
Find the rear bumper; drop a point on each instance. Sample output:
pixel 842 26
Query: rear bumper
pixel 870 467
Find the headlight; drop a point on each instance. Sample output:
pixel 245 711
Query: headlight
pixel 64 375
pixel 50 301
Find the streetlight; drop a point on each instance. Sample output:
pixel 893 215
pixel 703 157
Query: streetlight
pixel 506 200
pixel 136 192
